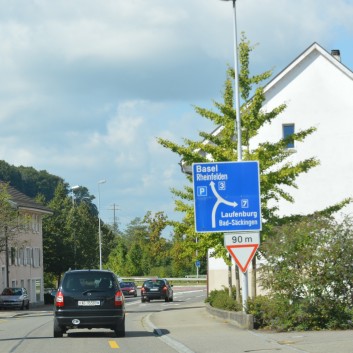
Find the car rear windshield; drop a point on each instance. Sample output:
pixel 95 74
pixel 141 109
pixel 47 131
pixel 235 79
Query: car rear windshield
pixel 88 281
pixel 154 283
pixel 127 284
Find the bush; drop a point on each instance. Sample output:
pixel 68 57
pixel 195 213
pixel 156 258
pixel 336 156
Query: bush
pixel 281 314
pixel 220 299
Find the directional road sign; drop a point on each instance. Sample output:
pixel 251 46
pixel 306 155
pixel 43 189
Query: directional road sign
pixel 227 196
pixel 242 247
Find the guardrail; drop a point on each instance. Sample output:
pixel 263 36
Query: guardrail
pixel 200 279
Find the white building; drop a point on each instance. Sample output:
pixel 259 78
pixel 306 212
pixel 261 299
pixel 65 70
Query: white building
pixel 318 91
pixel 24 267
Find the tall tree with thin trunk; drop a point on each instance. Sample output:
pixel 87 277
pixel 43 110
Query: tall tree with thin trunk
pixel 278 174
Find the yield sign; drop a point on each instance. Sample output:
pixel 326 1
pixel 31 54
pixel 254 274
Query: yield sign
pixel 242 254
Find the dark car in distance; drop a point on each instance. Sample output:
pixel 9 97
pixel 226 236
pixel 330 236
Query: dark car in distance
pixel 14 298
pixel 89 299
pixel 156 288
pixel 129 288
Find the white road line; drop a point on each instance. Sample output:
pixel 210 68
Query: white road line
pixel 179 347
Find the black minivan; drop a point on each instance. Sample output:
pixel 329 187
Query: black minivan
pixel 89 299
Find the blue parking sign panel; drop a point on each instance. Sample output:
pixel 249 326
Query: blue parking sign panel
pixel 227 196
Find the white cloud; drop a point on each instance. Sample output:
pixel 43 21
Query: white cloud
pixel 87 86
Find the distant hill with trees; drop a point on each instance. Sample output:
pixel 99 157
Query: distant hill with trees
pixel 29 180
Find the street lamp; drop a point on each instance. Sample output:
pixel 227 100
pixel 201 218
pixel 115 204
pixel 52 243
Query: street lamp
pixel 99 223
pixel 73 188
pixel 238 126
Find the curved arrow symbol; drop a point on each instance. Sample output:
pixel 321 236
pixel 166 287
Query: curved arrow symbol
pixel 218 202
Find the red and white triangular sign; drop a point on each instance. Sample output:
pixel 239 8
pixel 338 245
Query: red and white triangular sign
pixel 242 254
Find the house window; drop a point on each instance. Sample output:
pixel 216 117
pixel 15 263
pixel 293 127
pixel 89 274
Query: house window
pixel 36 257
pixel 35 223
pixel 13 258
pixel 21 257
pixel 28 257
pixel 288 130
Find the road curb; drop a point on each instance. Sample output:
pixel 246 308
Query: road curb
pixel 236 318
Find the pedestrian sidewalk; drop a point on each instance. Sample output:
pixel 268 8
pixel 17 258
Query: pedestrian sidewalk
pixel 9 313
pixel 194 330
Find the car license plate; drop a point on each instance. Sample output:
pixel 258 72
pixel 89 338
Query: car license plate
pixel 154 289
pixel 89 302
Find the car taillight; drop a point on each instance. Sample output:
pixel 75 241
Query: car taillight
pixel 143 289
pixel 165 288
pixel 119 298
pixel 59 299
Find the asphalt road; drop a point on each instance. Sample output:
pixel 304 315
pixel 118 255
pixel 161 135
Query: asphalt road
pixel 182 326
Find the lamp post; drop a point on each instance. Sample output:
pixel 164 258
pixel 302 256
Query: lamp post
pixel 99 223
pixel 73 188
pixel 238 127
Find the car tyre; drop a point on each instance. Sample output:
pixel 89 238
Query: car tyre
pixel 166 299
pixel 27 306
pixel 171 299
pixel 120 329
pixel 58 331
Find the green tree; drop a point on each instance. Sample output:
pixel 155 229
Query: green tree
pixel 117 258
pixel 70 235
pixel 309 269
pixel 57 249
pixel 9 224
pixel 278 172
pixel 142 250
pixel 134 261
pixel 83 229
pixel 30 181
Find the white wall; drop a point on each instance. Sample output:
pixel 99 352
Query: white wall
pixel 317 94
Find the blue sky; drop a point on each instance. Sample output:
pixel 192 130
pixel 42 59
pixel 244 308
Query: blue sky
pixel 87 85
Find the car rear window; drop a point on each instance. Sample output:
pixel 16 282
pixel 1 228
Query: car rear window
pixel 126 284
pixel 154 283
pixel 87 281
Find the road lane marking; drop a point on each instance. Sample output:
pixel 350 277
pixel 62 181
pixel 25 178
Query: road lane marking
pixel 113 344
pixel 171 342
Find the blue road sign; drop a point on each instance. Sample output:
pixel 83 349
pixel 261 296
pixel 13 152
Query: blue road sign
pixel 227 196
pixel 198 263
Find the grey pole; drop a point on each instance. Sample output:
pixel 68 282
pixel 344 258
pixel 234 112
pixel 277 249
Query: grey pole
pixel 238 128
pixel 99 224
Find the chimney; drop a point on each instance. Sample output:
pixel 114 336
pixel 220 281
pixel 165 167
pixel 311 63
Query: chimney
pixel 336 54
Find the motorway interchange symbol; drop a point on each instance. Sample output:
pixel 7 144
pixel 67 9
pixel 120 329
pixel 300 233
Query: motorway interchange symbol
pixel 218 202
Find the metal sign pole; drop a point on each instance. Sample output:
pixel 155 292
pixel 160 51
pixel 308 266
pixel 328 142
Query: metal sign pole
pixel 238 129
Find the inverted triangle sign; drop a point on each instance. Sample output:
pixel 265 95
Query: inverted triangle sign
pixel 242 254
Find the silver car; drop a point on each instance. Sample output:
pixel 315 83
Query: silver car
pixel 14 298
